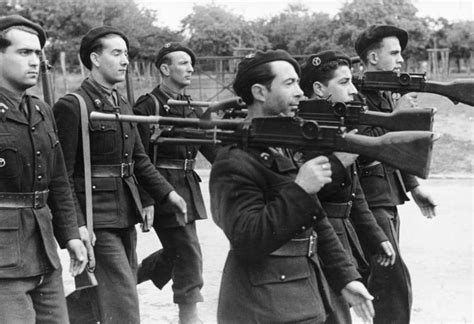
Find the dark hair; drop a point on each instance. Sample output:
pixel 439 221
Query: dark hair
pixel 374 46
pixel 323 73
pixel 4 42
pixel 262 74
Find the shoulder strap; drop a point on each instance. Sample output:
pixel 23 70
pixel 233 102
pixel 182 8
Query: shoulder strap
pixel 87 162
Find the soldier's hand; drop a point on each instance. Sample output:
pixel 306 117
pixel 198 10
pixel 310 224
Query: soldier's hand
pixel 424 202
pixel 88 241
pixel 360 299
pixel 387 254
pixel 178 205
pixel 78 254
pixel 148 216
pixel 314 174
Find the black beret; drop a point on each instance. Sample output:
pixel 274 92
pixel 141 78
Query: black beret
pixel 312 65
pixel 17 20
pixel 89 39
pixel 173 47
pixel 375 33
pixel 253 60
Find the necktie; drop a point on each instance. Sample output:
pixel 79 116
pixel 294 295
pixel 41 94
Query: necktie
pixel 24 108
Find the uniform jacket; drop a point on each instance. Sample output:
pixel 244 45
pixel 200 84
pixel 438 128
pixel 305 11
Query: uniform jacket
pixel 115 200
pixel 185 183
pixel 255 201
pixel 357 225
pixel 383 185
pixel 31 160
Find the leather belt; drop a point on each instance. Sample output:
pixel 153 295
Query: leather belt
pixel 298 247
pixel 187 165
pixel 338 210
pixel 122 170
pixel 36 200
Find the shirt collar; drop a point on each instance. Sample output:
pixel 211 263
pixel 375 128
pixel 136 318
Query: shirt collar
pixel 13 98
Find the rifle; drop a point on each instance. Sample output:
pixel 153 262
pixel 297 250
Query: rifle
pixel 232 107
pixel 457 90
pixel 355 113
pixel 46 84
pixel 409 151
pixel 129 86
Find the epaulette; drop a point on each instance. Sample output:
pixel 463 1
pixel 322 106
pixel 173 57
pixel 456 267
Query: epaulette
pixel 3 111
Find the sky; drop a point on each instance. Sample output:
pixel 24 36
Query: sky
pixel 170 13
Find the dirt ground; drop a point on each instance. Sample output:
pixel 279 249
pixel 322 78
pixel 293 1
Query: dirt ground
pixel 438 252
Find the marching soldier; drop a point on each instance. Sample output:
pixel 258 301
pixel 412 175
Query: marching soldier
pixel 118 163
pixel 36 205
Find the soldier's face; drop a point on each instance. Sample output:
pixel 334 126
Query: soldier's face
pixel 285 93
pixel 389 55
pixel 112 62
pixel 181 69
pixel 19 62
pixel 340 87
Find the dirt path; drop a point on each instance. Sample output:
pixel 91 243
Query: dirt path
pixel 438 252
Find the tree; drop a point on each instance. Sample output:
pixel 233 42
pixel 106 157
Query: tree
pixel 460 39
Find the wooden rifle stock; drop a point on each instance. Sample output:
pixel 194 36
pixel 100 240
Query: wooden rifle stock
pixel 355 113
pixel 409 151
pixel 456 91
pixel 46 83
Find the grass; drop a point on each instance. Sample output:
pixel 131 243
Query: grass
pixel 453 153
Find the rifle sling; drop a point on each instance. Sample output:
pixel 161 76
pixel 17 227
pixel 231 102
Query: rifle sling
pixel 86 152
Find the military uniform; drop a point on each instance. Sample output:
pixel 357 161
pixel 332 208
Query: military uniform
pixel 35 207
pixel 176 163
pixel 385 188
pixel 118 161
pixel 280 241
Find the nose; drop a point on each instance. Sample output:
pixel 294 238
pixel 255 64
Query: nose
pixel 34 59
pixel 190 68
pixel 124 60
pixel 400 58
pixel 298 92
pixel 352 89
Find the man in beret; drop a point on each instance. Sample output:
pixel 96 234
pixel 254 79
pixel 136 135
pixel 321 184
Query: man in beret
pixel 327 76
pixel 380 48
pixel 269 211
pixel 118 162
pixel 181 257
pixel 36 206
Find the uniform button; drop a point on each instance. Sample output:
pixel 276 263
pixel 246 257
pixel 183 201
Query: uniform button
pixel 126 136
pixel 38 153
pixel 33 128
pixel 303 228
pixel 343 184
pixel 126 155
pixel 40 177
pixel 102 127
pixel 315 218
pixel 355 172
pixel 94 187
pixel 353 195
pixel 282 277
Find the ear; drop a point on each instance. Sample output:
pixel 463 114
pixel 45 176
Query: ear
pixel 318 89
pixel 94 57
pixel 373 57
pixel 259 92
pixel 165 69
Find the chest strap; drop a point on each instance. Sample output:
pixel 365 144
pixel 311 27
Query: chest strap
pixel 298 247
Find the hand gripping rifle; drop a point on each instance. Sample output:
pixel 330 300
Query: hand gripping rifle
pixel 409 151
pixel 457 90
pixel 355 113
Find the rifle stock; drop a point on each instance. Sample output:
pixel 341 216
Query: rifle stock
pixel 409 151
pixel 46 83
pixel 231 106
pixel 355 113
pixel 457 90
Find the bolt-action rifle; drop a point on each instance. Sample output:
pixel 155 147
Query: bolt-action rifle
pixel 457 90
pixel 46 83
pixel 232 107
pixel 409 151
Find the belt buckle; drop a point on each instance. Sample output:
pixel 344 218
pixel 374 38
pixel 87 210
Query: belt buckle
pixel 123 170
pixel 188 165
pixel 36 201
pixel 311 245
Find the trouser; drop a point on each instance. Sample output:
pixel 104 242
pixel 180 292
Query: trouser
pixel 116 267
pixel 391 286
pixel 38 299
pixel 180 259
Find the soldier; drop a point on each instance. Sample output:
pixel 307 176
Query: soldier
pixel 379 48
pixel 181 257
pixel 118 161
pixel 327 75
pixel 35 199
pixel 269 211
